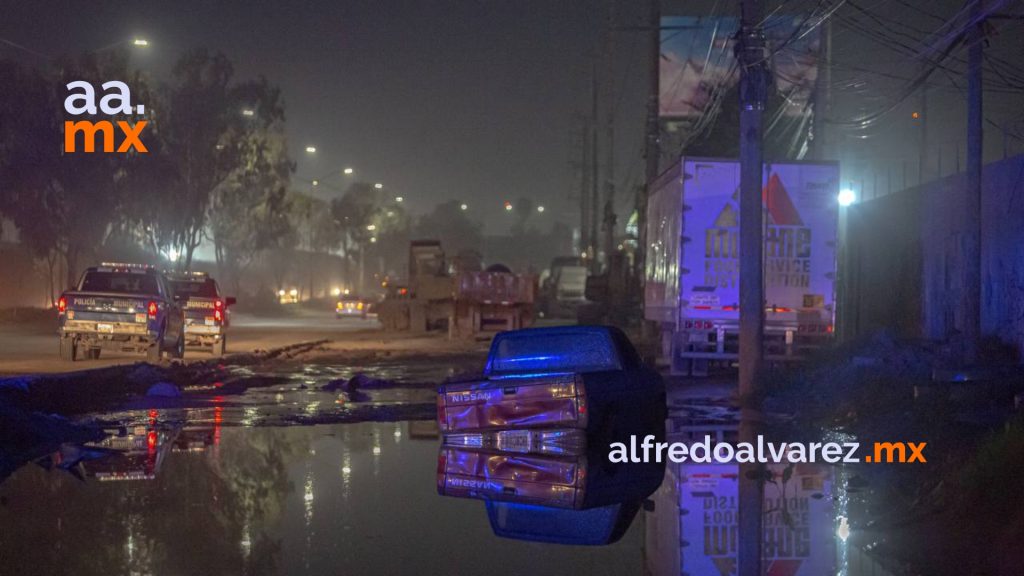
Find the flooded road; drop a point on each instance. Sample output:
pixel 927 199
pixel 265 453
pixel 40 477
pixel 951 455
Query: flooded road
pixel 347 498
pixel 323 468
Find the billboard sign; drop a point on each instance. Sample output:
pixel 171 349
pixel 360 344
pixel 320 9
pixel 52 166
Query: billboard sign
pixel 698 64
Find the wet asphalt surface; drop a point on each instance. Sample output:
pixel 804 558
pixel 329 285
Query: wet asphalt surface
pixel 282 479
pixel 298 476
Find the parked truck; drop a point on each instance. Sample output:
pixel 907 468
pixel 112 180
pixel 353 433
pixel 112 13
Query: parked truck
pixel 564 289
pixel 555 379
pixel 692 266
pixel 465 300
pixel 207 318
pixel 124 308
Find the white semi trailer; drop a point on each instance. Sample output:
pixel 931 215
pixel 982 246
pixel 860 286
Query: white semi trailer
pixel 693 256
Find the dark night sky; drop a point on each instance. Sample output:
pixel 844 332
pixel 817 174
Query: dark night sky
pixel 469 100
pixel 474 99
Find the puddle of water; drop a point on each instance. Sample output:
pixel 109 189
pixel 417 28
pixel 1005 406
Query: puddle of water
pixel 355 498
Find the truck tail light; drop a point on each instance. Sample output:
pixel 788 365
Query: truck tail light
pixel 62 305
pixel 218 315
pixel 442 468
pixel 151 309
pixel 442 413
pixel 581 402
pixel 442 461
pixel 218 304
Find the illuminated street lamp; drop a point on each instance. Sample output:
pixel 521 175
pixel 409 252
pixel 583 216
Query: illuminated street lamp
pixel 311 149
pixel 373 240
pixel 540 208
pixel 464 207
pixel 371 227
pixel 248 112
pixel 508 206
pixel 316 182
pixel 140 42
pixel 378 185
pixel 847 197
pixel 349 171
pixel 399 199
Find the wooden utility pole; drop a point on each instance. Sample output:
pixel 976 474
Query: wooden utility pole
pixel 752 57
pixel 608 219
pixel 652 151
pixel 595 175
pixel 821 145
pixel 922 117
pixel 585 188
pixel 971 263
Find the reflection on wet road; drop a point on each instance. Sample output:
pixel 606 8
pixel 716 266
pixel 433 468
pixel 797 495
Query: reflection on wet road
pixel 347 498
pixel 230 483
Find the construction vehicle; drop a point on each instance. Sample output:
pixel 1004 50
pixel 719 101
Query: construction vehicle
pixel 464 301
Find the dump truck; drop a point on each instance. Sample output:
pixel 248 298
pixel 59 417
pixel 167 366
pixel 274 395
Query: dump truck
pixel 693 259
pixel 464 300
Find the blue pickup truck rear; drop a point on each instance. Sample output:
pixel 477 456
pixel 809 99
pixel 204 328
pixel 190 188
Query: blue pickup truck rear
pixel 127 308
pixel 586 378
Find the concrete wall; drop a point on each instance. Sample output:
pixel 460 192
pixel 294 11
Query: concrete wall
pixel 904 253
pixel 882 273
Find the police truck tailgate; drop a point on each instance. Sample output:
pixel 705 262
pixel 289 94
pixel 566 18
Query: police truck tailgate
pixel 556 400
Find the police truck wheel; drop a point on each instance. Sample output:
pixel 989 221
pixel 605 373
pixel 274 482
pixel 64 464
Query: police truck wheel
pixel 220 348
pixel 179 348
pixel 153 352
pixel 68 348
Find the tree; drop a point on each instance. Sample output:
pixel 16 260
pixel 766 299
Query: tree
pixel 249 211
pixel 196 135
pixel 523 210
pixel 450 224
pixel 318 231
pixel 357 214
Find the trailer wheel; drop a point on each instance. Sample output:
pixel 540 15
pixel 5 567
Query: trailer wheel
pixel 68 348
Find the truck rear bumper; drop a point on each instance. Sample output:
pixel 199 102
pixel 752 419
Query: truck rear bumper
pixel 781 344
pixel 91 328
pixel 202 330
